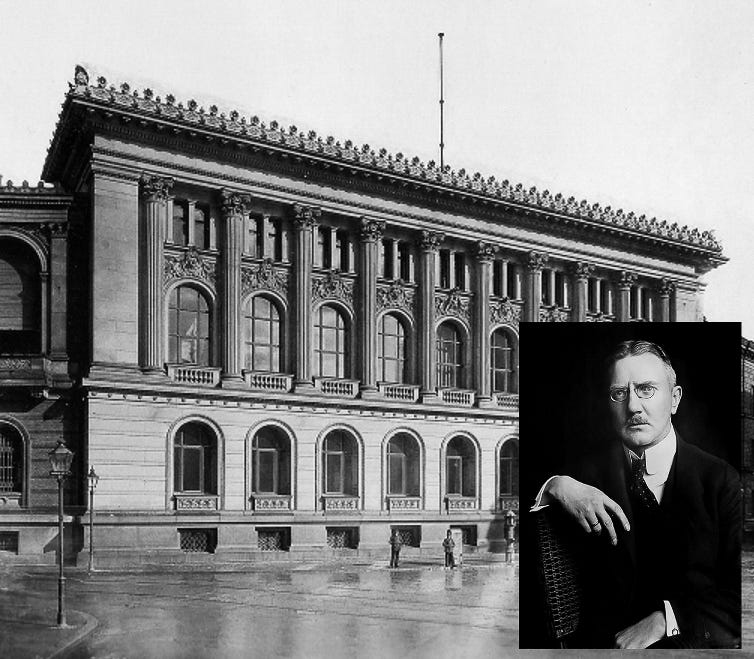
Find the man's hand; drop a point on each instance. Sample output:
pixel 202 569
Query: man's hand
pixel 590 507
pixel 644 633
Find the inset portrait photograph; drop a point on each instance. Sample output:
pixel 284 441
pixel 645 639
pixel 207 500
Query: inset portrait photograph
pixel 631 516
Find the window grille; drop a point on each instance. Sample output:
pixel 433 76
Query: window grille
pixel 198 540
pixel 274 539
pixel 339 537
pixel 10 461
pixel 410 536
pixel 9 542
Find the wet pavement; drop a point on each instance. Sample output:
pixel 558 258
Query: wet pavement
pixel 286 611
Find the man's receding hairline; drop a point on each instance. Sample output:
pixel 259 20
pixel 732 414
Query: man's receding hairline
pixel 637 348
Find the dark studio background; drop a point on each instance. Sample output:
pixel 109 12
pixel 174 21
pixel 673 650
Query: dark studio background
pixel 563 412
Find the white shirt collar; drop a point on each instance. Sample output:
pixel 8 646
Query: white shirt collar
pixel 660 456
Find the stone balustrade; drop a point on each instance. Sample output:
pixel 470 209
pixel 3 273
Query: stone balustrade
pixel 195 502
pixel 458 397
pixel 403 503
pixel 506 401
pixel 270 502
pixel 403 392
pixel 280 382
pixel 340 502
pixel 340 387
pixel 202 376
pixel 458 503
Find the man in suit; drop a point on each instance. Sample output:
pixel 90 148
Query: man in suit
pixel 662 520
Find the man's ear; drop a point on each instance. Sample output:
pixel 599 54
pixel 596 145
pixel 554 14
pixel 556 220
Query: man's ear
pixel 676 396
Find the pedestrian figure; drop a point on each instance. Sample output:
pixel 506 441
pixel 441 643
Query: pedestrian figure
pixel 448 545
pixel 395 548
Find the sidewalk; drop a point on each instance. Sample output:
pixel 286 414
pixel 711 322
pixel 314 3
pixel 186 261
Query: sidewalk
pixel 29 629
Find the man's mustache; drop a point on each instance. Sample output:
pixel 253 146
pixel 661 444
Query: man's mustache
pixel 636 421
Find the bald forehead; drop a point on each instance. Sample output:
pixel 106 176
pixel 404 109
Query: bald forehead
pixel 646 367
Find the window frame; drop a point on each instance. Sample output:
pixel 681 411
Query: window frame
pixel 276 349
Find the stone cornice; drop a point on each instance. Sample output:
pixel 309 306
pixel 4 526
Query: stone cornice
pixel 147 109
pixel 40 195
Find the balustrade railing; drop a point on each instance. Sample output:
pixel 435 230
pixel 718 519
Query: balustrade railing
pixel 340 387
pixel 280 382
pixel 459 397
pixel 403 392
pixel 203 376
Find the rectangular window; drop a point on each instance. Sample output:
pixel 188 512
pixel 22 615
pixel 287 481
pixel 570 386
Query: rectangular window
pixel 605 295
pixel 559 289
pixel 397 470
pixel 278 239
pixel 342 249
pixel 404 257
pixel 459 263
pixel 455 474
pixel 334 468
pixel 591 295
pixel 497 278
pixel 444 268
pixel 388 267
pixel 266 471
pixel 192 469
pixel 512 293
pixel 201 227
pixel 180 223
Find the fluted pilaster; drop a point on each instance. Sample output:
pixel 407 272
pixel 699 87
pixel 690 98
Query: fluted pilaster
pixel 581 274
pixel 536 262
pixel 304 224
pixel 428 246
pixel 627 279
pixel 371 234
pixel 234 208
pixel 665 289
pixel 485 256
pixel 155 191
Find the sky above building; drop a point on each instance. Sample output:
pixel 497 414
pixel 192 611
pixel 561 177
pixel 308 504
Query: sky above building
pixel 645 106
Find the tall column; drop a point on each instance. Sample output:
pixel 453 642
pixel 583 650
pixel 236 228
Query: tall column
pixel 582 272
pixel 305 226
pixel 665 288
pixel 485 256
pixel 504 278
pixel 627 279
pixel 537 261
pixel 371 236
pixel 428 244
pixel 234 207
pixel 155 191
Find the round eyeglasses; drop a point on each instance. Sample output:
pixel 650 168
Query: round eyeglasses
pixel 620 394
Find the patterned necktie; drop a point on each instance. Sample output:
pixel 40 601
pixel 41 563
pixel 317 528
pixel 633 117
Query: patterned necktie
pixel 639 485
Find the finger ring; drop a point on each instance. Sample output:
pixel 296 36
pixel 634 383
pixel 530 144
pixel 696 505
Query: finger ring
pixel 595 525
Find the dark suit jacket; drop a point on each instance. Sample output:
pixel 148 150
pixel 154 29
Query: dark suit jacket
pixel 698 552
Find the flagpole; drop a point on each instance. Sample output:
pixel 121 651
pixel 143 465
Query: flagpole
pixel 442 102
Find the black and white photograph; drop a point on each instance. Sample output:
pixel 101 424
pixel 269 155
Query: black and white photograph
pixel 633 536
pixel 267 271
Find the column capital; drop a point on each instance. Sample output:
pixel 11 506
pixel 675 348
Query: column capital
pixel 305 217
pixel 665 286
pixel 58 229
pixel 234 203
pixel 371 230
pixel 537 261
pixel 583 270
pixel 627 279
pixel 156 188
pixel 429 241
pixel 485 252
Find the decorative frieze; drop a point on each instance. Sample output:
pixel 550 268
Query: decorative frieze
pixel 272 503
pixel 338 503
pixel 395 296
pixel 504 312
pixel 554 315
pixel 453 304
pixel 14 364
pixel 264 276
pixel 195 502
pixel 461 504
pixel 333 286
pixel 190 264
pixel 402 503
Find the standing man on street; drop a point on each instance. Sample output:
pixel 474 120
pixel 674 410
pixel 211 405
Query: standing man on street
pixel 662 520
pixel 395 547
pixel 448 544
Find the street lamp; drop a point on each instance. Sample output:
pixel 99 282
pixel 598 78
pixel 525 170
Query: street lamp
pixel 92 479
pixel 60 467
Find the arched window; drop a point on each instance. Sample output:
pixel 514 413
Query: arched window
pixel 195 460
pixel 262 335
pixel 11 460
pixel 450 356
pixel 509 469
pixel 460 468
pixel 391 350
pixel 331 338
pixel 503 362
pixel 403 466
pixel 188 327
pixel 270 462
pixel 339 464
pixel 20 298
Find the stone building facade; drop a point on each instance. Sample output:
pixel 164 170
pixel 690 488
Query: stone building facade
pixel 279 342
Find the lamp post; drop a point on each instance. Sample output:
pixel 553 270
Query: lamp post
pixel 60 467
pixel 92 479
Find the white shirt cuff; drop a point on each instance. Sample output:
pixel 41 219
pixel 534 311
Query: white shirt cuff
pixel 538 503
pixel 671 624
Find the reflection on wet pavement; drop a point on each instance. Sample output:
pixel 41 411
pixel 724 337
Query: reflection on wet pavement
pixel 332 611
